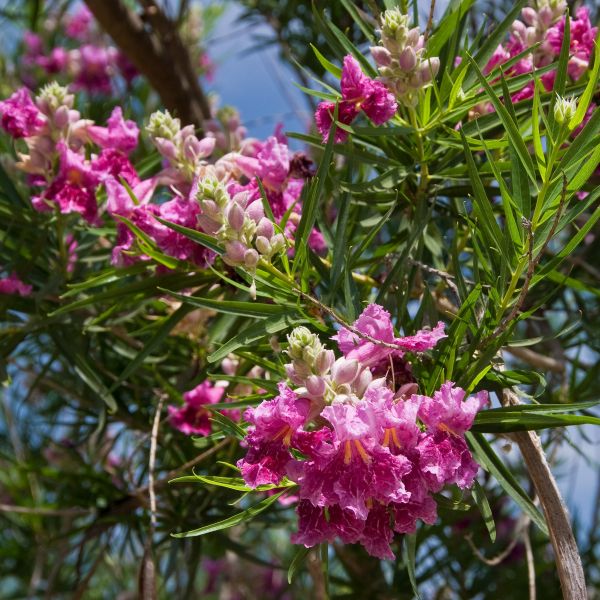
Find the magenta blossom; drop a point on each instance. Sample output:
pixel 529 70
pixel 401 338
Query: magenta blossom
pixel 448 410
pixel 119 135
pixel 78 25
pixel 359 92
pixel 20 116
pixel 275 425
pixel 376 323
pixel 12 285
pixel 192 418
pixel 583 36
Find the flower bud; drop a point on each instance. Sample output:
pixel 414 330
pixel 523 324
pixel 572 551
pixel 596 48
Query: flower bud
pixel 315 386
pixel 362 382
pixel 303 345
pixel 61 117
pixel 277 243
pixel 166 148
pixel 414 38
pixel 324 362
pixel 235 251
pixel 255 211
pixel 530 16
pixel 191 148
pixel 262 245
pixel 163 125
pixel 564 109
pixel 265 228
pixel 251 258
pixel 546 16
pixel 344 370
pixel 234 214
pixel 406 391
pixel 434 64
pixel 407 59
pixel 381 55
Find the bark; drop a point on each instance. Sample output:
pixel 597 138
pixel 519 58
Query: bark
pixel 158 53
pixel 568 561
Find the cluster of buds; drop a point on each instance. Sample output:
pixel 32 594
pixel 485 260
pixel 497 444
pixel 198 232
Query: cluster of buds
pixel 238 222
pixel 179 146
pixel 325 380
pixel 52 119
pixel 227 129
pixel 536 22
pixel 400 58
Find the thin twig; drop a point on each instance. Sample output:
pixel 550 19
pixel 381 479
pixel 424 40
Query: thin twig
pixel 429 21
pixel 520 527
pixel 152 464
pixel 530 564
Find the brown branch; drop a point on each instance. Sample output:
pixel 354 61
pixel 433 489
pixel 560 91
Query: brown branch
pixel 158 54
pixel 566 553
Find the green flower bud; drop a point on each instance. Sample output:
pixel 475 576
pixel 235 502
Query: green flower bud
pixel 564 109
pixel 163 125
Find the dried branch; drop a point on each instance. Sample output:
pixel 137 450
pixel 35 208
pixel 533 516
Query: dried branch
pixel 566 553
pixel 158 54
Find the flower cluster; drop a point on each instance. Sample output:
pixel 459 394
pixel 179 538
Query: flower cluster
pixel 366 451
pixel 545 25
pixel 55 136
pixel 401 58
pixel 92 64
pixel 359 93
pixel 12 285
pixel 221 198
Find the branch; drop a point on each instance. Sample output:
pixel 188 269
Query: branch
pixel 566 553
pixel 159 55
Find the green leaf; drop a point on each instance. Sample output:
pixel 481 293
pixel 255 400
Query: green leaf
pixel 410 551
pixel 512 130
pixel 256 332
pixel 488 459
pixel 237 519
pixel 328 66
pixel 197 236
pixel 157 339
pixel 484 508
pixel 297 562
pixel 234 307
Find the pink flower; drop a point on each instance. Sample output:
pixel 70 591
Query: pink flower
pixel 92 65
pixel 444 458
pixel 114 164
pixel 192 418
pixel 359 92
pixel 20 116
pixel 12 285
pixel 583 36
pixel 324 119
pixel 275 425
pixel 79 24
pixel 119 135
pixel 448 412
pixel 69 198
pixel 375 322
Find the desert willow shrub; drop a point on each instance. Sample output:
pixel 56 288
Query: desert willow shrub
pixel 329 332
